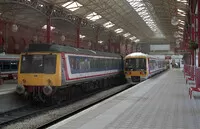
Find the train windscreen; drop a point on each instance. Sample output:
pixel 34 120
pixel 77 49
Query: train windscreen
pixel 134 64
pixel 38 64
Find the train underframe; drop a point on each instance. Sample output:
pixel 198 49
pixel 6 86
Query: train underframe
pixel 52 94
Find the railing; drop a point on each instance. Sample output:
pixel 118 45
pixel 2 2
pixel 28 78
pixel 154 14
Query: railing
pixel 192 73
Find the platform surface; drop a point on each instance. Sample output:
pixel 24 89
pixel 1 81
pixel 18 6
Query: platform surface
pixel 159 103
pixel 8 86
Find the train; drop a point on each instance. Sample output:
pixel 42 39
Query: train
pixel 139 66
pixel 46 70
pixel 8 66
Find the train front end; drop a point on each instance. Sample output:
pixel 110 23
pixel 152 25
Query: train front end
pixel 39 73
pixel 135 68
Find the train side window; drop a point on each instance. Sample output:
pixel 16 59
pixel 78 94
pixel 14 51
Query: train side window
pixel 14 65
pixel 6 66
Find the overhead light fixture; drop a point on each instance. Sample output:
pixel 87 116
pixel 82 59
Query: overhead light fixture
pixel 93 16
pixel 72 5
pixel 45 27
pixel 126 35
pixel 100 42
pixel 41 5
pixel 181 12
pixel 119 30
pixel 108 24
pixel 82 36
pixel 132 38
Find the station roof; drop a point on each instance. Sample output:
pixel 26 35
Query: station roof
pixel 143 21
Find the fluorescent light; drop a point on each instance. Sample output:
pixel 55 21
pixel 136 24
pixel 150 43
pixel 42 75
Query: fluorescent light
pixel 93 16
pixel 126 35
pixel 72 6
pixel 119 30
pixel 108 24
pixel 45 27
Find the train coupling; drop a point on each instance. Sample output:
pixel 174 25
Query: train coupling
pixel 20 89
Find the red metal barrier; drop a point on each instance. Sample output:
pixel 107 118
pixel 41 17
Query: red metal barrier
pixel 197 81
pixel 186 70
pixel 191 74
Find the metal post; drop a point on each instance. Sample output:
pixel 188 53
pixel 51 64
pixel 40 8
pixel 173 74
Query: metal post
pixel 198 32
pixel 49 30
pixel 97 30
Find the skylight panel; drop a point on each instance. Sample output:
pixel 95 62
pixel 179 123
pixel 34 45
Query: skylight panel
pixel 126 35
pixel 180 27
pixel 72 6
pixel 119 30
pixel 181 12
pixel 140 7
pixel 182 1
pixel 108 24
pixel 182 22
pixel 132 38
pixel 93 16
pixel 137 40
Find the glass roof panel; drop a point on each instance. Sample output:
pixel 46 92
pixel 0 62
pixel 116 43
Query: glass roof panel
pixel 119 30
pixel 126 35
pixel 72 6
pixel 108 24
pixel 93 16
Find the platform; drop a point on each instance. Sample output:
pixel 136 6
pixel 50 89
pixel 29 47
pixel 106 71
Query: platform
pixel 8 86
pixel 159 103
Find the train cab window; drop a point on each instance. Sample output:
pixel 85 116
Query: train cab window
pixel 38 64
pixel 49 64
pixel 6 66
pixel 135 64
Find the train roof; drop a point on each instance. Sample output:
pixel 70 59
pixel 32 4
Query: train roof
pixel 67 49
pixel 136 54
pixel 4 55
pixel 139 55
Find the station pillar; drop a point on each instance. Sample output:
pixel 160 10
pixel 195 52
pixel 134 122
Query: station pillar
pixel 48 40
pixel 78 27
pixel 198 17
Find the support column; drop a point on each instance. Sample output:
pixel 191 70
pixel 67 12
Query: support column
pixel 48 40
pixel 97 31
pixel 193 37
pixel 78 33
pixel 198 32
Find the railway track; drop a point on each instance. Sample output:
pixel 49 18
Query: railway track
pixel 18 115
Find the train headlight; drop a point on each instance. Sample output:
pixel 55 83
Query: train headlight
pixel 20 89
